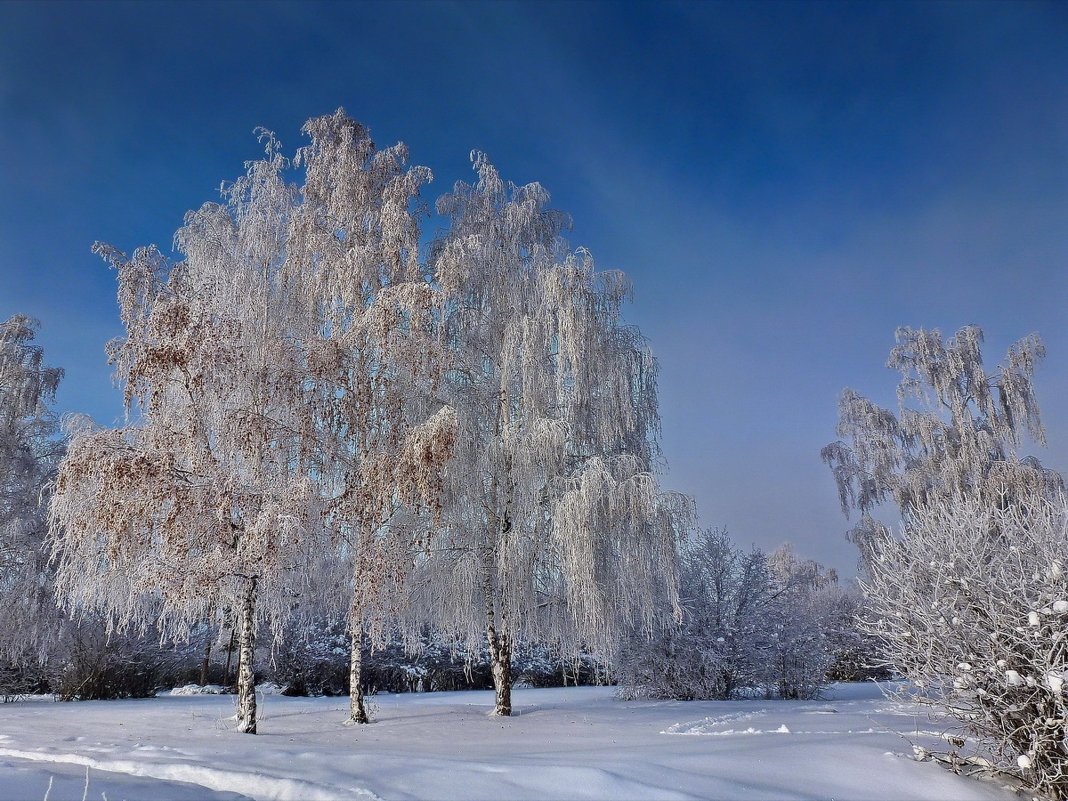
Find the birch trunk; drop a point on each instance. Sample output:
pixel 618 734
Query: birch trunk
pixel 500 648
pixel 357 712
pixel 246 678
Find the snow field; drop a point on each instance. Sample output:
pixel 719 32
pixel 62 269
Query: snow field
pixel 563 743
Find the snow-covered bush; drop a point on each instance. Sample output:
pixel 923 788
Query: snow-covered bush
pixel 857 653
pixel 312 658
pixel 88 664
pixel 751 624
pixel 971 603
pixel 18 680
pixel 708 654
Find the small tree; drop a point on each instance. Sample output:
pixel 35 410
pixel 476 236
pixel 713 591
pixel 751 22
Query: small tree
pixel 710 653
pixel 750 624
pixel 798 646
pixel 555 529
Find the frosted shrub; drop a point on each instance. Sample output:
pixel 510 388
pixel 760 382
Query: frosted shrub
pixel 751 624
pixel 971 603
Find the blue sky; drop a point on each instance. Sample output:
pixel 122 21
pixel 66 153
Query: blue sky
pixel 785 183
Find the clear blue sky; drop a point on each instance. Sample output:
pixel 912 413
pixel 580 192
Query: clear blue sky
pixel 785 183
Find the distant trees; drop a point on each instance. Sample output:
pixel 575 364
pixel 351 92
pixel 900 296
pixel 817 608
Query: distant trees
pixel 554 528
pixel 969 599
pixel 752 624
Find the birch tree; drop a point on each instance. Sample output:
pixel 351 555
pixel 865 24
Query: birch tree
pixel 355 249
pixel 554 527
pixel 206 501
pixel 29 452
pixel 957 429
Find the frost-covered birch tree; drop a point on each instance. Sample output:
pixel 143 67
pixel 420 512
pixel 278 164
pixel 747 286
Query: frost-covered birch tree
pixel 205 502
pixel 354 247
pixel 957 429
pixel 554 525
pixel 29 452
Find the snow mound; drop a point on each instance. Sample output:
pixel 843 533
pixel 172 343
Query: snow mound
pixel 199 689
pixel 268 688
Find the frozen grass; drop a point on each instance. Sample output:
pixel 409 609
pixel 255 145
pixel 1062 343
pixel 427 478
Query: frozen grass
pixel 567 743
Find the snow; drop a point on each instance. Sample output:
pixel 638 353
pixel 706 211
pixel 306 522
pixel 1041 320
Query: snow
pixel 566 743
pixel 200 689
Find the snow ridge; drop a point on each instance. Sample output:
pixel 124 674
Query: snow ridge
pixel 253 785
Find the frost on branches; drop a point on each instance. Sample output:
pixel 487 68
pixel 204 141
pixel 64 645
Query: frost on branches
pixel 29 451
pixel 323 425
pixel 968 601
pixel 554 527
pixel 971 603
pixel 957 430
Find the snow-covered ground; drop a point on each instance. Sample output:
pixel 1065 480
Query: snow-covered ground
pixel 561 744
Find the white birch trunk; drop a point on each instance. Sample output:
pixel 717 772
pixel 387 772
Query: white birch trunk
pixel 500 650
pixel 246 677
pixel 357 711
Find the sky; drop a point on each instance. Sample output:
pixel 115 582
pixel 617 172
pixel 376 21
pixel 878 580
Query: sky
pixel 785 184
